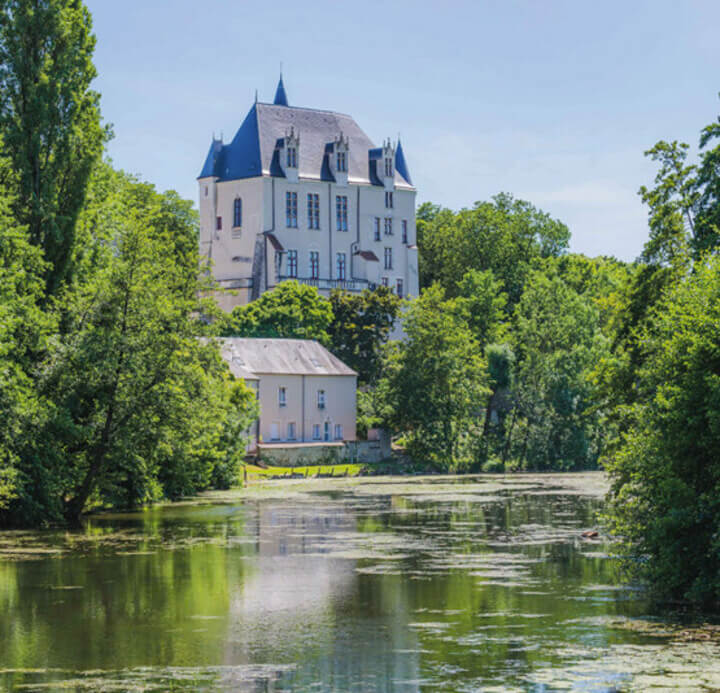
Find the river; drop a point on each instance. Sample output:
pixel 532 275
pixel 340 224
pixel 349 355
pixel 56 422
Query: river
pixel 375 584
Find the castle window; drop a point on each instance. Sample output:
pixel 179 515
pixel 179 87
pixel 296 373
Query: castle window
pixel 218 223
pixel 341 208
pixel 291 210
pixel 388 200
pixel 388 258
pixel 341 266
pixel 291 430
pixel 206 191
pixel 404 231
pixel 342 162
pixel 388 167
pixel 316 431
pixel 376 228
pixel 292 263
pixel 384 281
pixel 400 288
pixel 282 397
pixel 237 212
pixel 314 264
pixel 291 157
pixel 313 205
pixel 388 226
pixel 338 432
pixel 321 403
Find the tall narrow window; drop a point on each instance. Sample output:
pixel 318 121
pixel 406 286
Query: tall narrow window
pixel 388 167
pixel 338 432
pixel 291 210
pixel 342 162
pixel 218 223
pixel 292 157
pixel 384 281
pixel 314 264
pixel 341 208
pixel 321 399
pixel 292 263
pixel 404 231
pixel 388 258
pixel 291 430
pixel 316 431
pixel 282 397
pixel 237 212
pixel 313 209
pixel 341 266
pixel 388 226
pixel 388 200
pixel 326 430
pixel 400 288
pixel 376 228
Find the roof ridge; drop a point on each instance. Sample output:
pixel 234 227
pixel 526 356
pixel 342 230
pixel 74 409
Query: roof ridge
pixel 305 108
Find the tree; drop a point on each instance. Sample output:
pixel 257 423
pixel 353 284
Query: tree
pixel 435 382
pixel 665 496
pixel 49 119
pixel 481 303
pixel 505 236
pixel 290 311
pixel 361 325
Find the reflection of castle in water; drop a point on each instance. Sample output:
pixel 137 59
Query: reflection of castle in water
pixel 301 604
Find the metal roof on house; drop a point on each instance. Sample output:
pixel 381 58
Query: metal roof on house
pixel 253 150
pixel 248 358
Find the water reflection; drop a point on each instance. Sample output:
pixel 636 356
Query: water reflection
pixel 381 585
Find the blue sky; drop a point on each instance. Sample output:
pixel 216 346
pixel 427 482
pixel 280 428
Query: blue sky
pixel 554 101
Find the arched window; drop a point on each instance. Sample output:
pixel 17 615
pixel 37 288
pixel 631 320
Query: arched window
pixel 237 212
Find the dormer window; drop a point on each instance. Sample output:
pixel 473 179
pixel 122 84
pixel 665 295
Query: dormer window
pixel 292 157
pixel 342 162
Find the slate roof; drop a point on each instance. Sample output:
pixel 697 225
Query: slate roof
pixel 249 358
pixel 253 150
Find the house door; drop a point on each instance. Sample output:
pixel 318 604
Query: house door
pixel 326 432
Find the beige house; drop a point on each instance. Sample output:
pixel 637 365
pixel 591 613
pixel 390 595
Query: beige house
pixel 304 194
pixel 307 396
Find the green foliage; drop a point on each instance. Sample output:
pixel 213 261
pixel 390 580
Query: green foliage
pixel 290 311
pixel 666 474
pixel 360 326
pixel 505 236
pixel 481 302
pixel 49 119
pixel 435 382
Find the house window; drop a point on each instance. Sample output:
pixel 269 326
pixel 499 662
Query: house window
pixel 237 212
pixel 388 167
pixel 316 432
pixel 388 226
pixel 274 431
pixel 388 258
pixel 321 399
pixel 314 264
pixel 282 397
pixel 326 431
pixel 292 263
pixel 291 431
pixel 399 285
pixel 388 200
pixel 341 208
pixel 341 266
pixel 292 157
pixel 313 205
pixel 291 210
pixel 384 281
pixel 404 231
pixel 338 432
pixel 342 162
pixel 376 228
pixel 218 223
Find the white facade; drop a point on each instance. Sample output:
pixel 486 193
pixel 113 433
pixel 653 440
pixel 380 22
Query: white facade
pixel 306 395
pixel 304 194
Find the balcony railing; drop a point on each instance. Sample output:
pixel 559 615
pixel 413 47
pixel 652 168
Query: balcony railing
pixel 344 284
